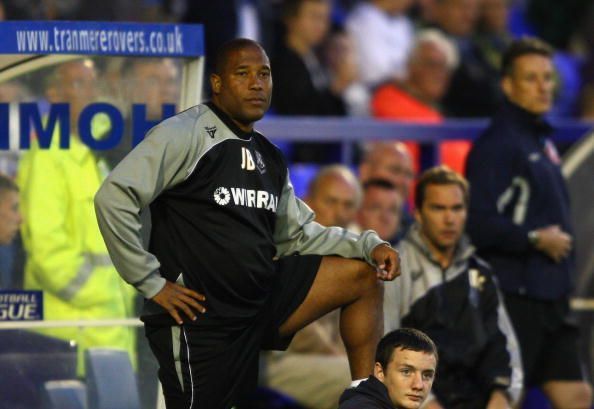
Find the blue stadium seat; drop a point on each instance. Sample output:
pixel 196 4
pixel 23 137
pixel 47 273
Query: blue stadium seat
pixel 65 394
pixel 27 361
pixel 568 68
pixel 111 382
pixel 301 174
pixel 535 399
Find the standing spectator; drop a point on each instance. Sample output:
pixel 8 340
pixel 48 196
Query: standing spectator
pixel 383 37
pixel 520 221
pixel 66 255
pixel 404 371
pixel 315 370
pixel 448 292
pixel 381 209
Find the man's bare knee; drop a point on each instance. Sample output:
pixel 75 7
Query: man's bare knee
pixel 365 278
pixel 569 395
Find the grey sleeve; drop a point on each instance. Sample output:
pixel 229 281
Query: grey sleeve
pixel 160 161
pixel 297 232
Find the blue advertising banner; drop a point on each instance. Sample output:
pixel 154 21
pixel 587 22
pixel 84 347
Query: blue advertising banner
pixel 101 38
pixel 21 305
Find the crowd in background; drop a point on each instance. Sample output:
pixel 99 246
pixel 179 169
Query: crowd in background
pixel 405 60
pixel 352 57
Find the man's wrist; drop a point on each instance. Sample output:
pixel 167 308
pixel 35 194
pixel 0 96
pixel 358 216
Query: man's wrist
pixel 533 237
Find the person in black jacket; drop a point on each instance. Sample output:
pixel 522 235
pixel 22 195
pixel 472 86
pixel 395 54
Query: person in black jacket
pixel 405 365
pixel 450 293
pixel 520 222
pixel 232 249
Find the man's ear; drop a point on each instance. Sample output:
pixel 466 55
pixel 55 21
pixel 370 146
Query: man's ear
pixel 506 85
pixel 215 83
pixel 378 371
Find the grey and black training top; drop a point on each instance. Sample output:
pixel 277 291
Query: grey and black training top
pixel 222 208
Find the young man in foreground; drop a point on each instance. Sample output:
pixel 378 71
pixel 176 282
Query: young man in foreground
pixel 405 365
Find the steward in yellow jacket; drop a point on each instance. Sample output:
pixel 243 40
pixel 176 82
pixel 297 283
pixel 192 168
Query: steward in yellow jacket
pixel 66 255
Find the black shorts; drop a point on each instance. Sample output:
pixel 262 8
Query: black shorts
pixel 548 339
pixel 211 364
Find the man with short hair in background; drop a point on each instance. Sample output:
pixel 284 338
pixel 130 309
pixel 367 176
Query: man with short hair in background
pixel 393 162
pixel 381 208
pixel 448 292
pixel 520 221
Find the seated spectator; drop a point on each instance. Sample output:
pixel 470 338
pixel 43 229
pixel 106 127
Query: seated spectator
pixel 315 369
pixel 10 221
pixel 417 96
pixel 492 35
pixel 405 365
pixel 380 209
pixel 302 85
pixel 448 292
pixel 391 161
pixel 151 82
pixel 474 88
pixel 340 56
pixel 383 37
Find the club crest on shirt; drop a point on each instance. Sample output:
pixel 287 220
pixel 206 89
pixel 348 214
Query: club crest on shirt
pixel 260 162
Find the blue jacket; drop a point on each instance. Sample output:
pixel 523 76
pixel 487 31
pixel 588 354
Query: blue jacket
pixel 516 188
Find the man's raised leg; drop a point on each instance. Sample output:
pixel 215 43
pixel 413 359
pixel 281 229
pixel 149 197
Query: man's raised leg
pixel 353 286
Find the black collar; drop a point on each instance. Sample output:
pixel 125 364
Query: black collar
pixel 526 119
pixel 229 122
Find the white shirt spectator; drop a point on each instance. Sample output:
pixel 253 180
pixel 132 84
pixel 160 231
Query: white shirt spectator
pixel 382 42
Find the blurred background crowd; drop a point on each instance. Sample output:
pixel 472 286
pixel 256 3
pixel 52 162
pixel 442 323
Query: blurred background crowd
pixel 413 61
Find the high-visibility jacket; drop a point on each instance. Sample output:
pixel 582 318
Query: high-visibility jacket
pixel 66 255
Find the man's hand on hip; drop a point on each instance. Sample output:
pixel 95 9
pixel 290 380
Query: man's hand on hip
pixel 174 297
pixel 387 262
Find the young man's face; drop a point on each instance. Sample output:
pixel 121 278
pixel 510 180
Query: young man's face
pixel 442 216
pixel 530 83
pixel 244 87
pixel 408 377
pixel 10 217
